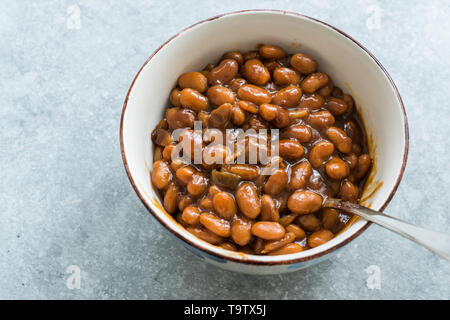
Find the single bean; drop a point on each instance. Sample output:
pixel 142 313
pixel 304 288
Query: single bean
pixel 167 152
pixel 197 185
pixel 311 101
pixel 175 97
pixel 288 219
pixel 237 116
pixel 308 222
pixel 316 182
pixel 269 210
pixel 180 220
pixel 241 231
pixel 246 250
pixel 287 97
pixel 340 139
pixel 276 182
pixel 224 72
pixel 283 118
pixel 191 215
pixel 236 55
pixel 224 205
pixel 363 166
pixel 171 198
pixel 320 153
pixel 353 131
pixel 185 201
pixel 337 92
pixel 356 149
pixel 205 73
pixel 314 82
pixel 298 113
pixel 333 187
pixel 161 174
pixel 205 203
pixel 194 100
pixel 228 246
pixel 290 248
pixel 286 76
pixel 300 132
pixel 326 90
pixel 258 245
pixel 304 202
pixel 320 237
pixel 299 232
pixel 349 192
pixel 300 175
pixel 268 111
pixel 303 63
pixel 193 80
pixel 272 65
pixel 213 190
pixel 246 172
pixel 352 160
pixel 268 230
pixel 236 83
pixel 161 137
pixel 219 95
pixel 220 117
pixel 336 106
pixel 208 67
pixel 204 234
pixel 337 169
pixel 321 120
pixel 255 123
pixel 248 200
pixel 277 244
pixel 179 118
pixel 290 149
pixel 254 94
pixel 162 124
pixel 329 217
pixel 248 106
pixel 256 72
pixel 213 155
pixel 185 174
pixel 216 225
pixel 271 52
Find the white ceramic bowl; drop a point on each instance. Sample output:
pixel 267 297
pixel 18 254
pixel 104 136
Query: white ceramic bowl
pixel 350 65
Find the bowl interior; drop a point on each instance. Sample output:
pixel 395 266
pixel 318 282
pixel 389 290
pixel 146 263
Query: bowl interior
pixel 350 67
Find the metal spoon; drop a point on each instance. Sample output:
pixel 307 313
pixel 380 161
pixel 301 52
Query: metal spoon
pixel 437 242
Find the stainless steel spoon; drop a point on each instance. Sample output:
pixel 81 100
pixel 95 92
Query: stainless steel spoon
pixel 437 242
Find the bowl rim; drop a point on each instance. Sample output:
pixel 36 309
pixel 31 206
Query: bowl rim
pixel 248 258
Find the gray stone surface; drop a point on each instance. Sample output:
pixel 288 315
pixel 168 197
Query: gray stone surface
pixel 64 195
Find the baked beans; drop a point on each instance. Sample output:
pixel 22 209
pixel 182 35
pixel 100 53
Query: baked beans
pixel 322 152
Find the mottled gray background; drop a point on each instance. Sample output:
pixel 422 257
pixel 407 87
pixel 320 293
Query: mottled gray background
pixel 64 195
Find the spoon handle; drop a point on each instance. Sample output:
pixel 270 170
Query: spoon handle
pixel 437 242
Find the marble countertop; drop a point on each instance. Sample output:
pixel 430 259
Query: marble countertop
pixel 66 205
